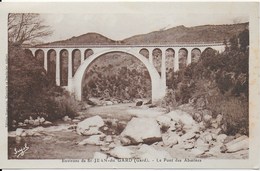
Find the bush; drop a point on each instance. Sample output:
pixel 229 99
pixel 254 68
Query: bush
pixel 235 113
pixel 31 92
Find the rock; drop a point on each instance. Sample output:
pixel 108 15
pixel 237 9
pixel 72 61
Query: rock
pixel 42 120
pixel 20 124
pixel 19 131
pixel 188 145
pixel 207 137
pixel 47 123
pixel 36 122
pixel 171 139
pixel 221 138
pixel 91 131
pixel 197 117
pixel 241 143
pixel 216 150
pixel 66 119
pixel 139 103
pixel 99 155
pixel 76 120
pixel 12 134
pixel 206 117
pixel 108 139
pixel 24 134
pixel 164 121
pixel 197 151
pixel 141 130
pixel 108 103
pixel 188 135
pixel 149 102
pixel 183 117
pixel 31 122
pixel 150 153
pixel 26 121
pixel 104 148
pixel 228 139
pixel 95 121
pixel 111 145
pixel 93 140
pixel 121 152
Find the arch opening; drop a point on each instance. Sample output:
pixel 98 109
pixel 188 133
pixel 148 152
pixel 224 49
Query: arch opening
pixel 51 65
pixel 144 52
pixel 76 60
pixel 116 76
pixel 88 53
pixel 157 59
pixel 183 55
pixel 170 55
pixel 195 55
pixel 39 55
pixel 64 56
pixel 157 92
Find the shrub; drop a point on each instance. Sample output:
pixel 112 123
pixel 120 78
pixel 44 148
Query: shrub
pixel 31 92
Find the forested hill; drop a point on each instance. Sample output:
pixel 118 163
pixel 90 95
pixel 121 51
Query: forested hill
pixel 179 34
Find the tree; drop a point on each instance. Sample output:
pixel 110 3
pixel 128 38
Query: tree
pixel 26 28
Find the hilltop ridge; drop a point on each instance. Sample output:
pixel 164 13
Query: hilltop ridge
pixel 178 34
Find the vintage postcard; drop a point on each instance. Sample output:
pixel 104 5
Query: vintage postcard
pixel 130 85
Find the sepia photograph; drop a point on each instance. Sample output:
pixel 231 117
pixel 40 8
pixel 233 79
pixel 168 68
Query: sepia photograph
pixel 138 87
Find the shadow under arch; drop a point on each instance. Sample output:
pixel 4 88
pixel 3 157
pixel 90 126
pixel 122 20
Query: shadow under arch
pixel 158 92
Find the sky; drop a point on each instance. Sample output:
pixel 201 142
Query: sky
pixel 118 26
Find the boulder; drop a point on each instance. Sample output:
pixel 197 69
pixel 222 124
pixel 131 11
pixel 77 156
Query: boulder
pixel 19 131
pixel 66 119
pixel 91 131
pixel 139 103
pixel 215 150
pixel 108 139
pixel 47 123
pixel 221 138
pixel 76 120
pixel 42 120
pixel 108 103
pixel 241 143
pixel 121 152
pixel 99 155
pixel 24 134
pixel 93 140
pixel 36 122
pixel 183 117
pixel 171 139
pixel 188 135
pixel 150 153
pixel 197 151
pixel 164 121
pixel 95 121
pixel 188 145
pixel 26 121
pixel 141 130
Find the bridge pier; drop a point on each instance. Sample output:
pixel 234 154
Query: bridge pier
pixel 69 70
pixel 163 71
pixel 58 66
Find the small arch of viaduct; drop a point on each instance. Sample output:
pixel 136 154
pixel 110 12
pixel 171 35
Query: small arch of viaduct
pixel 89 53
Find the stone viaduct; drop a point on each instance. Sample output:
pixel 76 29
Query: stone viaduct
pixel 158 81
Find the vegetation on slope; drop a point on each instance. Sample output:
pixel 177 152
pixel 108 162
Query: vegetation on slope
pixel 31 92
pixel 220 82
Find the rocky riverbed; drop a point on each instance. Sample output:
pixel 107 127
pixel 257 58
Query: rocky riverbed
pixel 130 131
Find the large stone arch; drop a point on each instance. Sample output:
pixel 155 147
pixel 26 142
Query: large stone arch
pixel 157 92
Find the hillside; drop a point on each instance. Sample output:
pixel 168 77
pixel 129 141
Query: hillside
pixel 85 39
pixel 179 34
